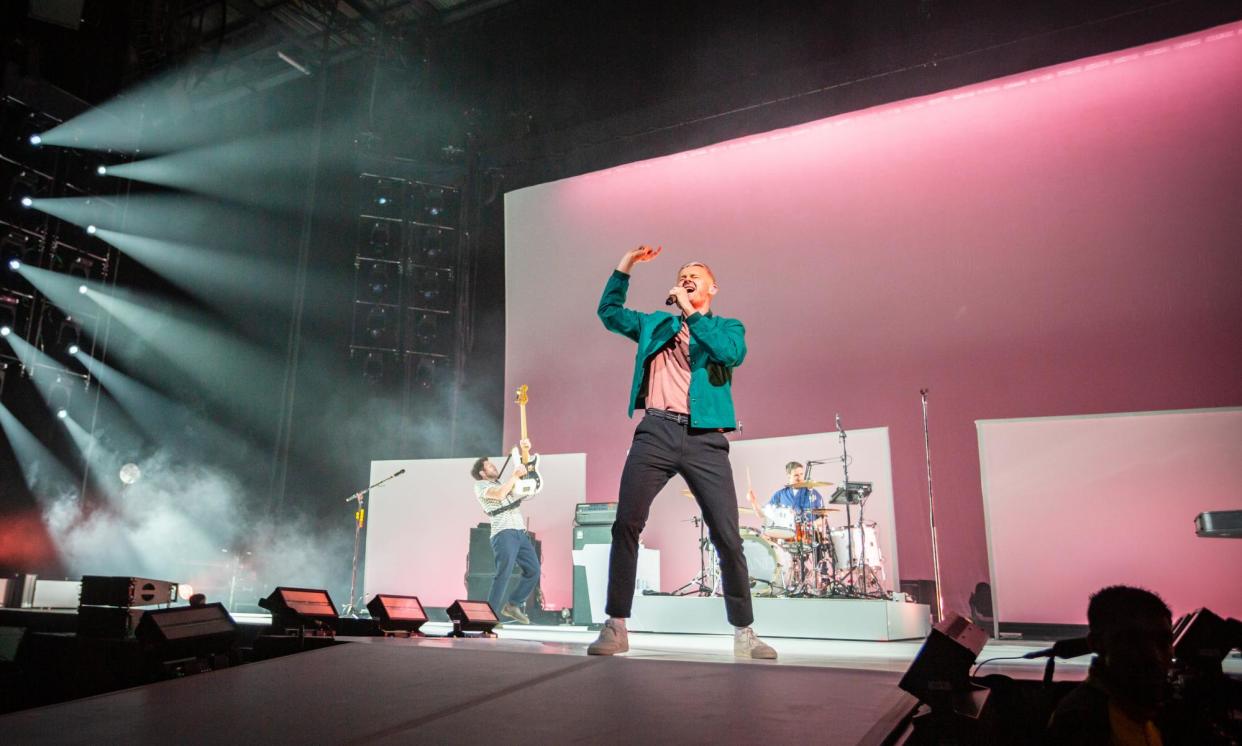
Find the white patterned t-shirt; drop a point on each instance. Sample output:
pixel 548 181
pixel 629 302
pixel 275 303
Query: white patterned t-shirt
pixel 511 518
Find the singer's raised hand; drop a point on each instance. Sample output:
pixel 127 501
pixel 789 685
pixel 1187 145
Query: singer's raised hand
pixel 643 253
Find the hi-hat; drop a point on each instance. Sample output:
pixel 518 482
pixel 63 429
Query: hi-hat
pixel 824 511
pixel 809 485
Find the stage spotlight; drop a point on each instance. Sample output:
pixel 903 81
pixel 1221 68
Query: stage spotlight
pixel 130 473
pixel 15 264
pixel 36 140
pixel 102 170
pixel 82 289
pixel 184 591
pixel 472 616
pixel 5 330
pixel 27 201
pixel 404 613
pixel 74 349
pixel 381 327
pixel 61 414
pixel 383 238
pixel 91 229
pixel 373 367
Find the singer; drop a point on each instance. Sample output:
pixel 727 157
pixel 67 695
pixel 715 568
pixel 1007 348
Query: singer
pixel 683 376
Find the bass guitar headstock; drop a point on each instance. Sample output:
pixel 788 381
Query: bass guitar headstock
pixel 521 397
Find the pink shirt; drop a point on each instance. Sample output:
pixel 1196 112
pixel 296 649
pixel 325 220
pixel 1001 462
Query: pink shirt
pixel 668 375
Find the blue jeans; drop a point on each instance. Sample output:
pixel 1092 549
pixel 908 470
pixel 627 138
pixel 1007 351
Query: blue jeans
pixel 513 547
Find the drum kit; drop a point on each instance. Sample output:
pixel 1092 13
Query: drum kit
pixel 798 554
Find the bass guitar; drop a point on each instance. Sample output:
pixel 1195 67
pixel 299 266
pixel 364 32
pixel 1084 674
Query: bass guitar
pixel 532 483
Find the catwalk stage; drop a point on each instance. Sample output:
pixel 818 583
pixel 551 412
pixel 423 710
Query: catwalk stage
pixel 529 685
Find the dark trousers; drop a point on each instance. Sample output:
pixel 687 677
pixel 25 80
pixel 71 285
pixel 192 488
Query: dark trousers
pixel 662 448
pixel 513 547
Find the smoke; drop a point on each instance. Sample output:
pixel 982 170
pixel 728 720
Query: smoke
pixel 191 523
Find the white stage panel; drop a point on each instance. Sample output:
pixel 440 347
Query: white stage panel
pixel 1073 504
pixel 419 527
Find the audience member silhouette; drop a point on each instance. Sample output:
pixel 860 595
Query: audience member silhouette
pixel 1122 701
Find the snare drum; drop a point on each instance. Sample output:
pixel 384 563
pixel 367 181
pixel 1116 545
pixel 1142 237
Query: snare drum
pixel 779 522
pixel 866 546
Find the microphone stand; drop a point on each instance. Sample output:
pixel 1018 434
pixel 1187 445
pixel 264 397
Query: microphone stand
pixel 849 523
pixel 931 512
pixel 822 551
pixel 360 515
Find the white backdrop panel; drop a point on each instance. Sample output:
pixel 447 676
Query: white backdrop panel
pixel 669 528
pixel 1074 504
pixel 419 527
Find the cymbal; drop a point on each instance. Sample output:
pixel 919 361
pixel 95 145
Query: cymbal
pixel 746 509
pixel 824 511
pixel 809 485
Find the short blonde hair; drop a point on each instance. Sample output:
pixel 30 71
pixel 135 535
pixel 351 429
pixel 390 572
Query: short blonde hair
pixel 710 273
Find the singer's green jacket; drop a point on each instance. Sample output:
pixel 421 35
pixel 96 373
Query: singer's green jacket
pixel 717 346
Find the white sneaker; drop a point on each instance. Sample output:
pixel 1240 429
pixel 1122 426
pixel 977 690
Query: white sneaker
pixel 746 644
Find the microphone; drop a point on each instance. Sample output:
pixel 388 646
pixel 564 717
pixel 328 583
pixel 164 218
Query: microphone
pixel 355 496
pixel 399 473
pixel 1071 648
pixel 672 301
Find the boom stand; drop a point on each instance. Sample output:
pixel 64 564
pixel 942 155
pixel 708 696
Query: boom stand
pixel 352 607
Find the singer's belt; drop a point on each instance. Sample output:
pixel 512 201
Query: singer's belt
pixel 664 414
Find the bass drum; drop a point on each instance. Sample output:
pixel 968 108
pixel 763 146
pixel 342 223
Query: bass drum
pixel 764 561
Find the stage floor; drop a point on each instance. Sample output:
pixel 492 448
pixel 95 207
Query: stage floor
pixel 529 685
pixel 511 690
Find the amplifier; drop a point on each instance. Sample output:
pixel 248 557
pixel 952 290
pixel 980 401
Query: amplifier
pixel 595 514
pixel 99 590
pixel 1222 524
pixel 107 621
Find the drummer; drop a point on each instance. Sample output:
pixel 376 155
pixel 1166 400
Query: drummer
pixel 796 499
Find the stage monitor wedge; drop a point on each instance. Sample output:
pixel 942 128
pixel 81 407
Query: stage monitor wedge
pixel 300 607
pixel 188 631
pixel 394 612
pixel 472 616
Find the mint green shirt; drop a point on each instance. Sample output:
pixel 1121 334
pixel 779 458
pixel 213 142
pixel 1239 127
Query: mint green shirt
pixel 717 346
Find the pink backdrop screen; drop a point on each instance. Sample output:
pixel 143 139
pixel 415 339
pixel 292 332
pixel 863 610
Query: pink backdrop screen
pixel 1058 242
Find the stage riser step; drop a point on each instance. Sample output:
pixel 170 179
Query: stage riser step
pixel 814 618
